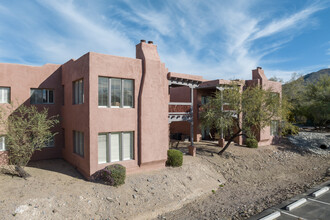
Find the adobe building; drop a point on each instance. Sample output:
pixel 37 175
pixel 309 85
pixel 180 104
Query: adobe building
pixel 112 109
pixel 180 96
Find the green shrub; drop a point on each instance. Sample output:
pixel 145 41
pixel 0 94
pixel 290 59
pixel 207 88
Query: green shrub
pixel 251 143
pixel 290 130
pixel 113 175
pixel 174 158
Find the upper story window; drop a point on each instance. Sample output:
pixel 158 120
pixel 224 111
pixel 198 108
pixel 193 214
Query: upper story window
pixel 42 96
pixel 116 93
pixel 2 143
pixel 78 92
pixel 4 94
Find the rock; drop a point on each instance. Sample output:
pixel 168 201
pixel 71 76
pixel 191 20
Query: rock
pixel 134 196
pixel 21 209
pixel 328 172
pixel 54 210
pixel 135 190
pixel 110 199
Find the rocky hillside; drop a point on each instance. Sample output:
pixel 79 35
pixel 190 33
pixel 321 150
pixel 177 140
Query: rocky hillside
pixel 311 77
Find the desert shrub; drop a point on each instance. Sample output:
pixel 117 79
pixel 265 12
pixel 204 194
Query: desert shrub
pixel 251 143
pixel 174 158
pixel 113 175
pixel 290 130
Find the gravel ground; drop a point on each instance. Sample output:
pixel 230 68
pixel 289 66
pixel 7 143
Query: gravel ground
pixel 56 190
pixel 311 141
pixel 256 180
pixel 237 185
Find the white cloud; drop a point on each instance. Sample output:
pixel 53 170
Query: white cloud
pixel 212 38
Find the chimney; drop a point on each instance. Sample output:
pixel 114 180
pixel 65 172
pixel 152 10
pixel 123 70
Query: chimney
pixel 259 74
pixel 147 51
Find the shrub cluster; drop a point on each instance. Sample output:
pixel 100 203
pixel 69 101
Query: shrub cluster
pixel 174 158
pixel 251 143
pixel 290 130
pixel 113 175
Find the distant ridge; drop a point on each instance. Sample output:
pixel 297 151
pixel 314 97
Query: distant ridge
pixel 314 76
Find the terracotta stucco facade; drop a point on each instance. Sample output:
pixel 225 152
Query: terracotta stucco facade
pixel 208 88
pixel 147 119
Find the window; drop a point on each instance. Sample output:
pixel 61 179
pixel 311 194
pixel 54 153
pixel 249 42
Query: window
pixel 42 96
pixel 4 94
pixel 205 100
pixel 2 143
pixel 117 146
pixel 117 93
pixel 78 92
pixel 50 143
pixel 78 143
pixel 274 128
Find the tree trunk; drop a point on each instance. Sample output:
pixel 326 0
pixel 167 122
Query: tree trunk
pixel 21 172
pixel 230 140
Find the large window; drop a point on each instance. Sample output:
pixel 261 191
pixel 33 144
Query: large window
pixel 2 143
pixel 117 93
pixel 78 92
pixel 4 94
pixel 274 128
pixel 50 143
pixel 117 146
pixel 78 143
pixel 42 96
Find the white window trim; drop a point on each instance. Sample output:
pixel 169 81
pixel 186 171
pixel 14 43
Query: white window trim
pixel 43 103
pixel 3 143
pixel 77 100
pixel 108 146
pixel 78 148
pixel 122 98
pixel 2 91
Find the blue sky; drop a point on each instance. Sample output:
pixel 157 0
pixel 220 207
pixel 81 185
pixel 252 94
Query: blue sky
pixel 213 38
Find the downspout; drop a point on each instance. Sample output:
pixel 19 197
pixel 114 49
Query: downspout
pixel 139 148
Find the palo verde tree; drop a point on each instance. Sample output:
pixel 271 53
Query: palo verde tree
pixel 26 130
pixel 241 112
pixel 317 101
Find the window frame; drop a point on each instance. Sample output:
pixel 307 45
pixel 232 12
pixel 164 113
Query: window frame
pixel 274 127
pixel 47 91
pixel 3 146
pixel 122 93
pixel 2 89
pixel 76 98
pixel 50 143
pixel 121 140
pixel 78 147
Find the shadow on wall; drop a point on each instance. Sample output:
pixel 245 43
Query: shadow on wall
pixel 52 82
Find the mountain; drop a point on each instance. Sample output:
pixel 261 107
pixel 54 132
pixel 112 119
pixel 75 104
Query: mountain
pixel 314 76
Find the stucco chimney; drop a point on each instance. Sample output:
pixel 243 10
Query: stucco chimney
pixel 259 74
pixel 143 41
pixel 147 51
pixel 150 42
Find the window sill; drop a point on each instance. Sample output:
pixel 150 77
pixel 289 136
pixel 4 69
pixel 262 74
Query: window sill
pixel 115 161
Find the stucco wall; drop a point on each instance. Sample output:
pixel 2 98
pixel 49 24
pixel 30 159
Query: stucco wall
pixel 20 79
pixel 76 117
pixel 104 120
pixel 153 109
